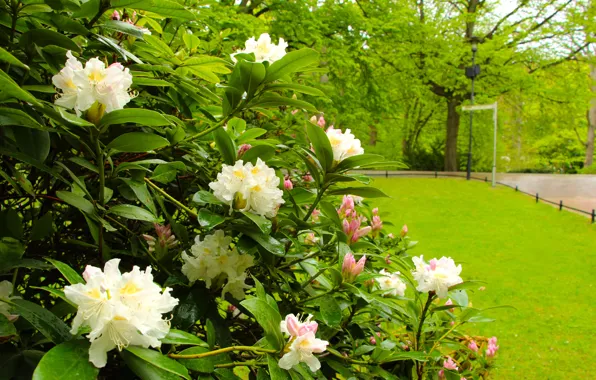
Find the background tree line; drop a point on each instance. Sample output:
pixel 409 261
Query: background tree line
pixel 394 72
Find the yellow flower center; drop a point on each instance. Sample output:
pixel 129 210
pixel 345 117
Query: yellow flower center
pixel 94 293
pixel 239 174
pixel 256 188
pixel 129 288
pixel 95 76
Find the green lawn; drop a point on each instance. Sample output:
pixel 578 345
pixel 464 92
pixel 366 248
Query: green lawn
pixel 533 257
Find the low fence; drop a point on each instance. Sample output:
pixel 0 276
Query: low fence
pixel 436 174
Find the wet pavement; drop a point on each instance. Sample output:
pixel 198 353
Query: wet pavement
pixel 577 191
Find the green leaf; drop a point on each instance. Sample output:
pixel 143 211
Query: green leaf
pixel 151 365
pixel 43 320
pixel 268 318
pixel 45 37
pixel 208 219
pixel 366 192
pixel 275 372
pixel 77 201
pixel 250 134
pixel 11 224
pixel 133 212
pixel 142 193
pixel 75 119
pixel 33 142
pixel 274 100
pixel 321 143
pixel 69 274
pixel 7 328
pixel 211 334
pixel 203 365
pixel 264 152
pixel 359 160
pixel 67 361
pixel 9 88
pixel 141 81
pixel 11 59
pixel 330 311
pixel 161 7
pixel 290 63
pixel 296 88
pixel 179 337
pixel 164 173
pixel 263 223
pixel 137 142
pixel 252 75
pixel 203 197
pixel 225 145
pixel 124 27
pixel 269 243
pixel 135 116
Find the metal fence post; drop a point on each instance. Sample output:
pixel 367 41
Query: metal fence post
pixel 537 198
pixel 386 174
pixel 593 216
pixel 485 179
pixel 560 205
pixel 436 174
pixel 515 187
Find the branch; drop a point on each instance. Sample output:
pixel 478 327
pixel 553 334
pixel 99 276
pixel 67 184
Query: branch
pixel 540 24
pixel 257 350
pixel 564 59
pixel 171 198
pixel 490 34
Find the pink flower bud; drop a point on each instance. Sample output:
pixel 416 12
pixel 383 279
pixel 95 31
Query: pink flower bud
pixel 441 374
pixel 375 211
pixel 373 340
pixel 377 224
pixel 450 364
pixel 315 215
pixel 350 269
pixel 307 177
pixel 473 346
pixel 243 149
pixel 404 231
pixel 449 302
pixel 493 341
pixel 294 112
pixel 288 185
pixel 391 236
pixel 321 122
pixel 116 16
pixel 388 259
pixel 117 65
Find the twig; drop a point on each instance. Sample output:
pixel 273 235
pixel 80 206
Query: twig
pixel 171 198
pixel 257 350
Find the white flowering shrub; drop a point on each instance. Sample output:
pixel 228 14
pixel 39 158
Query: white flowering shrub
pixel 133 136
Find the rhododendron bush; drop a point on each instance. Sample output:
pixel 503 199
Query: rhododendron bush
pixel 173 207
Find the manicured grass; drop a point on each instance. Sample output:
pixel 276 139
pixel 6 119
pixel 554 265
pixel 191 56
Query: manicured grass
pixel 532 256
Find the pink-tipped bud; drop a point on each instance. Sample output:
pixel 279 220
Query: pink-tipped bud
pixel 116 16
pixel 243 149
pixel 448 303
pixel 347 205
pixel 307 178
pixel 473 346
pixel 493 341
pixel 377 224
pixel 450 364
pixel 321 122
pixel 404 231
pixel 361 233
pixel 375 211
pixel 294 112
pixel 391 236
pixel 388 259
pixel 373 340
pixel 311 239
pixel 432 264
pixel 288 185
pixel 315 215
pixel 441 374
pixel 350 269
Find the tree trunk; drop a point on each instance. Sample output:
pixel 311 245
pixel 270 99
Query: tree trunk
pixel 452 132
pixel 373 135
pixel 591 120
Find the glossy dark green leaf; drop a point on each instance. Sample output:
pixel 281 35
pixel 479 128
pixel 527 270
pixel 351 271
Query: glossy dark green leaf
pixel 133 212
pixel 33 142
pixel 145 367
pixel 268 318
pixel 77 201
pixel 137 142
pixel 330 311
pixel 275 372
pixel 123 27
pixel 321 143
pixel 67 361
pixel 252 76
pixel 203 197
pixel 43 320
pixel 11 59
pixel 268 242
pixel 134 116
pixel 225 145
pixel 211 334
pixel 359 160
pixel 161 7
pixel 142 193
pixel 264 152
pixel 182 338
pixel 69 274
pixel 292 62
pixel 44 37
pixel 203 365
pixel 296 88
pixel 250 134
pixel 13 116
pixel 208 219
pixel 9 88
pixel 263 223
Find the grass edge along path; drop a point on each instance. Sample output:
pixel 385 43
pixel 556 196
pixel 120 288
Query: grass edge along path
pixel 533 257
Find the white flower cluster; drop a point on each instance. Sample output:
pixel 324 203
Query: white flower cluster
pixel 343 144
pixel 212 260
pixel 83 86
pixel 436 275
pixel 248 187
pixel 391 283
pixel 121 309
pixel 263 49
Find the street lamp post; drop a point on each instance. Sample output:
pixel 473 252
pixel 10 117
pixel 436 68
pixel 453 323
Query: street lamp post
pixel 472 72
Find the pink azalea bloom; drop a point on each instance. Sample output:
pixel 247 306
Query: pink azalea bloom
pixel 373 340
pixel 473 346
pixel 307 177
pixel 321 122
pixel 116 16
pixel 288 185
pixel 294 327
pixel 347 206
pixel 377 224
pixel 243 149
pixel 441 374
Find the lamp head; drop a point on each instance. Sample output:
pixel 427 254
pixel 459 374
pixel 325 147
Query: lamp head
pixel 474 42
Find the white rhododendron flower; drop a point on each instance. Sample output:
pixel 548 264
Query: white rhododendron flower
pixel 302 343
pixel 343 144
pixel 263 49
pixel 436 275
pixel 120 309
pixel 84 86
pixel 248 187
pixel 213 261
pixel 391 283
